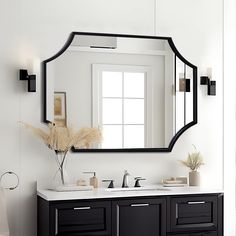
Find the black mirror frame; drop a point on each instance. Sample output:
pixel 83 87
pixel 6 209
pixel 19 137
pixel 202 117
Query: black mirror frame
pixel 171 43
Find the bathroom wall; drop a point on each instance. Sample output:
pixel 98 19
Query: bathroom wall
pixel 32 31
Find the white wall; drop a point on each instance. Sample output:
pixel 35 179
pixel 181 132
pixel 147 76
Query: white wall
pixel 35 30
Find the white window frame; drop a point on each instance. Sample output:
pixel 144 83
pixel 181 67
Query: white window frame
pixel 97 70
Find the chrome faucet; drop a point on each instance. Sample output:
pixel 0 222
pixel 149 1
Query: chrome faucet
pixel 125 180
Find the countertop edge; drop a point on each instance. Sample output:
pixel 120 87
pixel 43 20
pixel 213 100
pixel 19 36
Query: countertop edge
pixel 50 195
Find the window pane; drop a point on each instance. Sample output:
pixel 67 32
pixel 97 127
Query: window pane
pixel 134 85
pixel 111 84
pixel 134 136
pixel 111 111
pixel 112 136
pixel 134 111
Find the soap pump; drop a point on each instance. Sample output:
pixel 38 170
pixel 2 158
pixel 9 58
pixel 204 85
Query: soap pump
pixel 93 180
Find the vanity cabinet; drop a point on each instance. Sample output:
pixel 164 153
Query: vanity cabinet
pixel 177 215
pixel 139 217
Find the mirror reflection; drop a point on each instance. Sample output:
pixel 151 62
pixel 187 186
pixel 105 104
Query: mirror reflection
pixel 137 89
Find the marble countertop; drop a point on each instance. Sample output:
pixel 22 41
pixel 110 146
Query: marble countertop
pixel 102 193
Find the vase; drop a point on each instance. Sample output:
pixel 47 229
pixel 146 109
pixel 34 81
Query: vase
pixel 61 177
pixel 64 176
pixel 194 178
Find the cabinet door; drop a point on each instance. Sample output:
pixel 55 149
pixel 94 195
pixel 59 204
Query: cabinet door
pixel 139 217
pixel 193 213
pixel 81 218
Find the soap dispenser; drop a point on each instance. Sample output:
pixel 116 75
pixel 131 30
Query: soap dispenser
pixel 93 180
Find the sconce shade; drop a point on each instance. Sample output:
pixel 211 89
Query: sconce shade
pixel 32 83
pixel 211 85
pixel 31 80
pixel 212 88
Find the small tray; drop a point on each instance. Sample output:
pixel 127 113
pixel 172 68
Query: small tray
pixel 173 182
pixel 70 188
pixel 174 185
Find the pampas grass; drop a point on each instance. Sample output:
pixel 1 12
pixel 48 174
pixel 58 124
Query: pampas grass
pixel 62 139
pixel 194 160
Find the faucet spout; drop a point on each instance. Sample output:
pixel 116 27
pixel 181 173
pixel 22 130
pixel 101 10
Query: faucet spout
pixel 125 183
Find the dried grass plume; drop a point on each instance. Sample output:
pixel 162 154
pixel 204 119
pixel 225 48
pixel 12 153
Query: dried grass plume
pixel 194 160
pixel 62 139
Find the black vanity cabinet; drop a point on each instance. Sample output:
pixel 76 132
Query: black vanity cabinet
pixel 178 215
pixel 139 217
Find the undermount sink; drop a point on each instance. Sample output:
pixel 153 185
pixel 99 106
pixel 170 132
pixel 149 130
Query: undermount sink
pixel 137 189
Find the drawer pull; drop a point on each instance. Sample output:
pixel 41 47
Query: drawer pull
pixel 176 211
pixel 56 222
pixel 194 203
pixel 139 205
pixel 82 208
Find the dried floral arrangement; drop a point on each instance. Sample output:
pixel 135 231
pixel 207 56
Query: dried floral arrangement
pixel 62 139
pixel 194 160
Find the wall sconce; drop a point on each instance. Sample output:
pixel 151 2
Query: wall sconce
pixel 211 84
pixel 184 83
pixel 31 80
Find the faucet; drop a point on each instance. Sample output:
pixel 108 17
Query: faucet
pixel 125 179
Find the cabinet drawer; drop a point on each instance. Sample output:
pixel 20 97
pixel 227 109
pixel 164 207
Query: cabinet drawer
pixel 86 218
pixel 193 213
pixel 144 217
pixel 210 233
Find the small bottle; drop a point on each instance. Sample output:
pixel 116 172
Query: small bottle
pixel 93 180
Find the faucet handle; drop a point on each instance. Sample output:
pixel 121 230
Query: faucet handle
pixel 111 184
pixel 137 179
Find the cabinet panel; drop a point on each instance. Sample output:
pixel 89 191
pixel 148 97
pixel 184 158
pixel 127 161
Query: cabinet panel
pixel 193 213
pixel 81 218
pixel 139 217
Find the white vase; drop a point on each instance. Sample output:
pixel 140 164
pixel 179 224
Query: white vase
pixel 194 178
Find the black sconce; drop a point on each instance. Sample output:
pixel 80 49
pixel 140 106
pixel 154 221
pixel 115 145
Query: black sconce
pixel 31 80
pixel 211 85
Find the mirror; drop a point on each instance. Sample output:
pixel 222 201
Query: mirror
pixel 138 89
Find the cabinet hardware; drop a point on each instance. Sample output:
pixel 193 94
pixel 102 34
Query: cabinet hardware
pixel 56 222
pixel 176 211
pixel 82 208
pixel 139 205
pixel 193 203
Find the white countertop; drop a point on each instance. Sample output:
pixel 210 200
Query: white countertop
pixel 102 193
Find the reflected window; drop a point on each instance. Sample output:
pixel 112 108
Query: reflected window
pixel 121 95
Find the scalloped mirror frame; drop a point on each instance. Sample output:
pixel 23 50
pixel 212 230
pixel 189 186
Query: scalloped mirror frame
pixel 172 45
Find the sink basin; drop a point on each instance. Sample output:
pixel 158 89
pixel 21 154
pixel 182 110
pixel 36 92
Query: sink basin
pixel 137 189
